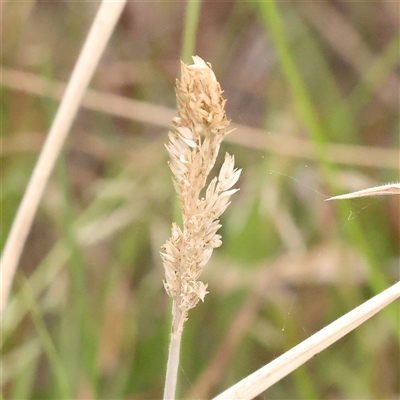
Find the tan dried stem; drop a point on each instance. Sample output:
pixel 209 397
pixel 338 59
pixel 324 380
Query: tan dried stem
pixel 101 30
pixel 193 147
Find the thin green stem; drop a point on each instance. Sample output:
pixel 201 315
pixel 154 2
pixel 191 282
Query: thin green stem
pixel 57 367
pixel 275 27
pixel 190 30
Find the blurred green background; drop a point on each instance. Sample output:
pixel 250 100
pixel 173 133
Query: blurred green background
pixel 315 88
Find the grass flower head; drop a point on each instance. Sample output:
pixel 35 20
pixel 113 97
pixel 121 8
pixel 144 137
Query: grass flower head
pixel 193 147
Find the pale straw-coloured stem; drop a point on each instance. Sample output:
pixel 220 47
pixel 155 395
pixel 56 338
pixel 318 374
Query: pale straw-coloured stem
pixel 259 381
pixel 172 365
pixel 389 188
pixel 254 138
pixel 173 353
pixel 102 27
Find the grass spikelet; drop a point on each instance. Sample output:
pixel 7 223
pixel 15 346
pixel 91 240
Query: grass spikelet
pixel 193 147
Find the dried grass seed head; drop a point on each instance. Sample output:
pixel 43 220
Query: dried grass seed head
pixel 193 147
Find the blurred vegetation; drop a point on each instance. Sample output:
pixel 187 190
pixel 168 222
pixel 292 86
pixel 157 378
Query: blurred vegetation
pixel 88 316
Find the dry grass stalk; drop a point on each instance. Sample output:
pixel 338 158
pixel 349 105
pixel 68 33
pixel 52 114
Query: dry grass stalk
pixel 101 30
pixel 260 380
pixel 193 148
pixel 254 138
pixel 390 188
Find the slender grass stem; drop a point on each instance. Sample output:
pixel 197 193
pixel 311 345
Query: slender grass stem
pixel 190 29
pixel 100 32
pixel 173 354
pixel 265 377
